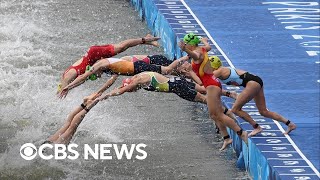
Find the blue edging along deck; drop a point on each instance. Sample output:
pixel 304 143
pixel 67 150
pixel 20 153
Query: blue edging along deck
pixel 269 155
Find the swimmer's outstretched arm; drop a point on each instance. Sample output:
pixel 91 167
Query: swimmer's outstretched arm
pixel 194 77
pixel 230 94
pixel 66 136
pixel 173 65
pixel 73 120
pixel 121 90
pixel 109 83
pixel 82 78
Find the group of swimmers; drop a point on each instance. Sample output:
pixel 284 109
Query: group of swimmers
pixel 198 81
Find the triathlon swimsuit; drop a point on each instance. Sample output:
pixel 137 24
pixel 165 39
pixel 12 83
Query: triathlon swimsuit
pixel 177 85
pixel 141 66
pixel 207 79
pixel 150 63
pixel 94 54
pixel 154 59
pixel 120 66
pixel 124 67
pixel 241 80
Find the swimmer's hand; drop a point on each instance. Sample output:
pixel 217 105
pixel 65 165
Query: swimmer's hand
pixel 63 93
pixel 233 95
pixel 204 40
pixel 230 94
pixel 182 45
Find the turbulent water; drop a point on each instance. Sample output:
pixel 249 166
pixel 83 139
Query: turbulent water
pixel 39 39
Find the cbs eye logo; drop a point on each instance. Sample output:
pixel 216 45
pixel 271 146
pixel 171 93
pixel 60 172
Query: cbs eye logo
pixel 28 151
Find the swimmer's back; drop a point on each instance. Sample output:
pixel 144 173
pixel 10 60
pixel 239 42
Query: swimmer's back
pixel 120 66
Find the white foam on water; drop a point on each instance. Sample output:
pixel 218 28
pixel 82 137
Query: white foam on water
pixel 29 106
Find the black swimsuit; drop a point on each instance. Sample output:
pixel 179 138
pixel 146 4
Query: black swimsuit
pixel 246 77
pixel 180 86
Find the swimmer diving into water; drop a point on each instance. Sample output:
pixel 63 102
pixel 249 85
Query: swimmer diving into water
pixel 95 53
pixel 124 67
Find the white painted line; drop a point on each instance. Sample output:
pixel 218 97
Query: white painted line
pixel 190 28
pixel 266 123
pixel 266 137
pixel 264 144
pixel 285 159
pixel 281 152
pixel 184 24
pixel 169 5
pixel 174 13
pixel 290 166
pixel 171 9
pixel 296 174
pixel 180 19
pixel 267 130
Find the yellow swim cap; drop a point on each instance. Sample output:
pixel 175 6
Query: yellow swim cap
pixel 215 62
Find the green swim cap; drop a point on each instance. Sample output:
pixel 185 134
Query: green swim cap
pixel 191 39
pixel 92 77
pixel 215 62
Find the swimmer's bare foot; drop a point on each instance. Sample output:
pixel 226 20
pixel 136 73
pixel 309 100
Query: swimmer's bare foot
pixel 151 40
pixel 255 131
pixel 291 127
pixel 244 137
pixel 226 142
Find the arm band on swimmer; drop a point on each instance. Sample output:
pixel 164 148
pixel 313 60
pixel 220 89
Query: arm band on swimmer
pixel 225 111
pixel 84 107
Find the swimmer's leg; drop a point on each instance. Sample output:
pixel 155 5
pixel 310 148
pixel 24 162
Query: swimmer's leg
pixel 124 45
pixel 173 65
pixel 226 138
pixel 261 105
pixel 216 113
pixel 245 96
pixel 229 113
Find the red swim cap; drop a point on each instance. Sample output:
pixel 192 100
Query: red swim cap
pixel 126 82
